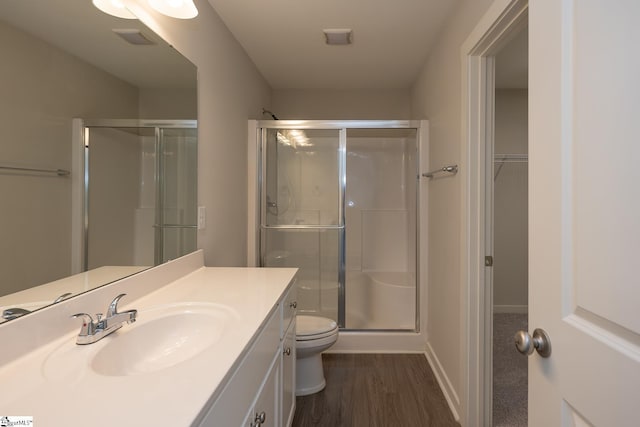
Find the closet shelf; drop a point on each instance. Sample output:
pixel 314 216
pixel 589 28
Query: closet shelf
pixel 510 158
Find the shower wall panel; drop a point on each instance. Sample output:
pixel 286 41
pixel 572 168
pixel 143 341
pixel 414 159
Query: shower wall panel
pixel 384 239
pixel 381 229
pixel 305 188
pixel 377 207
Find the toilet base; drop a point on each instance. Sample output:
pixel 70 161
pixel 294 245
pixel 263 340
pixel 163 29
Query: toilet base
pixel 309 375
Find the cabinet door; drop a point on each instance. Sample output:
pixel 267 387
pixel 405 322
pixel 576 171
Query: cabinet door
pixel 266 409
pixel 289 374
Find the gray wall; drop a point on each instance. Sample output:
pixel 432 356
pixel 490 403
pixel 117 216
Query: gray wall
pixel 436 96
pixel 159 103
pixel 43 88
pixel 386 104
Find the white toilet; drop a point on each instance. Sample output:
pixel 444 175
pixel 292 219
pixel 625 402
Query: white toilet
pixel 313 336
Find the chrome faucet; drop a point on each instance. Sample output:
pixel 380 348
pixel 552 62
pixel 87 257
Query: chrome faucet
pixel 13 313
pixel 92 331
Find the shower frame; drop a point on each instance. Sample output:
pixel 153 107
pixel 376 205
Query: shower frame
pixel 80 182
pixel 258 205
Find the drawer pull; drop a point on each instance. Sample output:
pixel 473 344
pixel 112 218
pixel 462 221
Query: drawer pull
pixel 293 304
pixel 287 351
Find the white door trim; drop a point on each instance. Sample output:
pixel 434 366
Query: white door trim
pixel 503 19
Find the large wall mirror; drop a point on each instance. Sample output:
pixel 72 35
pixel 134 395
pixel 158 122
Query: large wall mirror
pixel 70 71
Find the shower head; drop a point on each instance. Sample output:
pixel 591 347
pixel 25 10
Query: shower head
pixel 269 113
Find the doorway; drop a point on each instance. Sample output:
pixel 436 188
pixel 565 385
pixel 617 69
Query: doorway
pixel 500 25
pixel 509 235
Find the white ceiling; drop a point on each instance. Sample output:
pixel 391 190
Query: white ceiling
pixel 77 27
pixel 284 39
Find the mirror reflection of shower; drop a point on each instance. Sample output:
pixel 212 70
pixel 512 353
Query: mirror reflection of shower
pixel 140 191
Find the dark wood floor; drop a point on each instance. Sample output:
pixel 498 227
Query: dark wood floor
pixel 375 390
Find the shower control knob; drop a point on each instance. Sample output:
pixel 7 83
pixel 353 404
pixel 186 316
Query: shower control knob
pixel 540 342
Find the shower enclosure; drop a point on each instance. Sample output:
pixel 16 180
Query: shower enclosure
pixel 339 201
pixel 140 191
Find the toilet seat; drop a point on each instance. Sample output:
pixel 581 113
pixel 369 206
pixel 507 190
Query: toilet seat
pixel 314 328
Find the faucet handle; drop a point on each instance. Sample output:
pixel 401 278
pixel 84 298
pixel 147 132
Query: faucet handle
pixel 87 323
pixel 61 297
pixel 86 317
pixel 113 307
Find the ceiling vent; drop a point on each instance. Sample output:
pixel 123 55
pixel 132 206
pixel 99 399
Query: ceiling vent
pixel 338 36
pixel 133 36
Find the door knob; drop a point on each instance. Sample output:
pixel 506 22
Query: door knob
pixel 539 342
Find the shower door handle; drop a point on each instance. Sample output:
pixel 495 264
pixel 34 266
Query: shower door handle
pixel 539 342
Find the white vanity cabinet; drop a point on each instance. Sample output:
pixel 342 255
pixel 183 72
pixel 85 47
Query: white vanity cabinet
pixel 236 358
pixel 261 390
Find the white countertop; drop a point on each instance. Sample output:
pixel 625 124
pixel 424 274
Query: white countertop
pixel 43 295
pixel 74 395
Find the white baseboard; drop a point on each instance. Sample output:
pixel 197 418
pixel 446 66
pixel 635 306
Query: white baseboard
pixel 520 309
pixel 443 380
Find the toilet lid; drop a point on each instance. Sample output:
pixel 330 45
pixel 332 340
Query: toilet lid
pixel 311 327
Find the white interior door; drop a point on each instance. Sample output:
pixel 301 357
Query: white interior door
pixel 585 211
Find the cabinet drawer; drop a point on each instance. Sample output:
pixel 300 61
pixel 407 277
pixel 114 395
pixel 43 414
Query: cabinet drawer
pixel 289 308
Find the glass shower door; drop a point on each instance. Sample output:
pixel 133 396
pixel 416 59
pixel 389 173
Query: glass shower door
pixel 302 222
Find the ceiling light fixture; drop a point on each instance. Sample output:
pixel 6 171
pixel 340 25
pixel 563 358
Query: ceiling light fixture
pixel 181 9
pixel 338 36
pixel 114 7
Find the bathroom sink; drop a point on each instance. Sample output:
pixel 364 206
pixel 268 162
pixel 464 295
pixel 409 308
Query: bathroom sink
pixel 161 338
